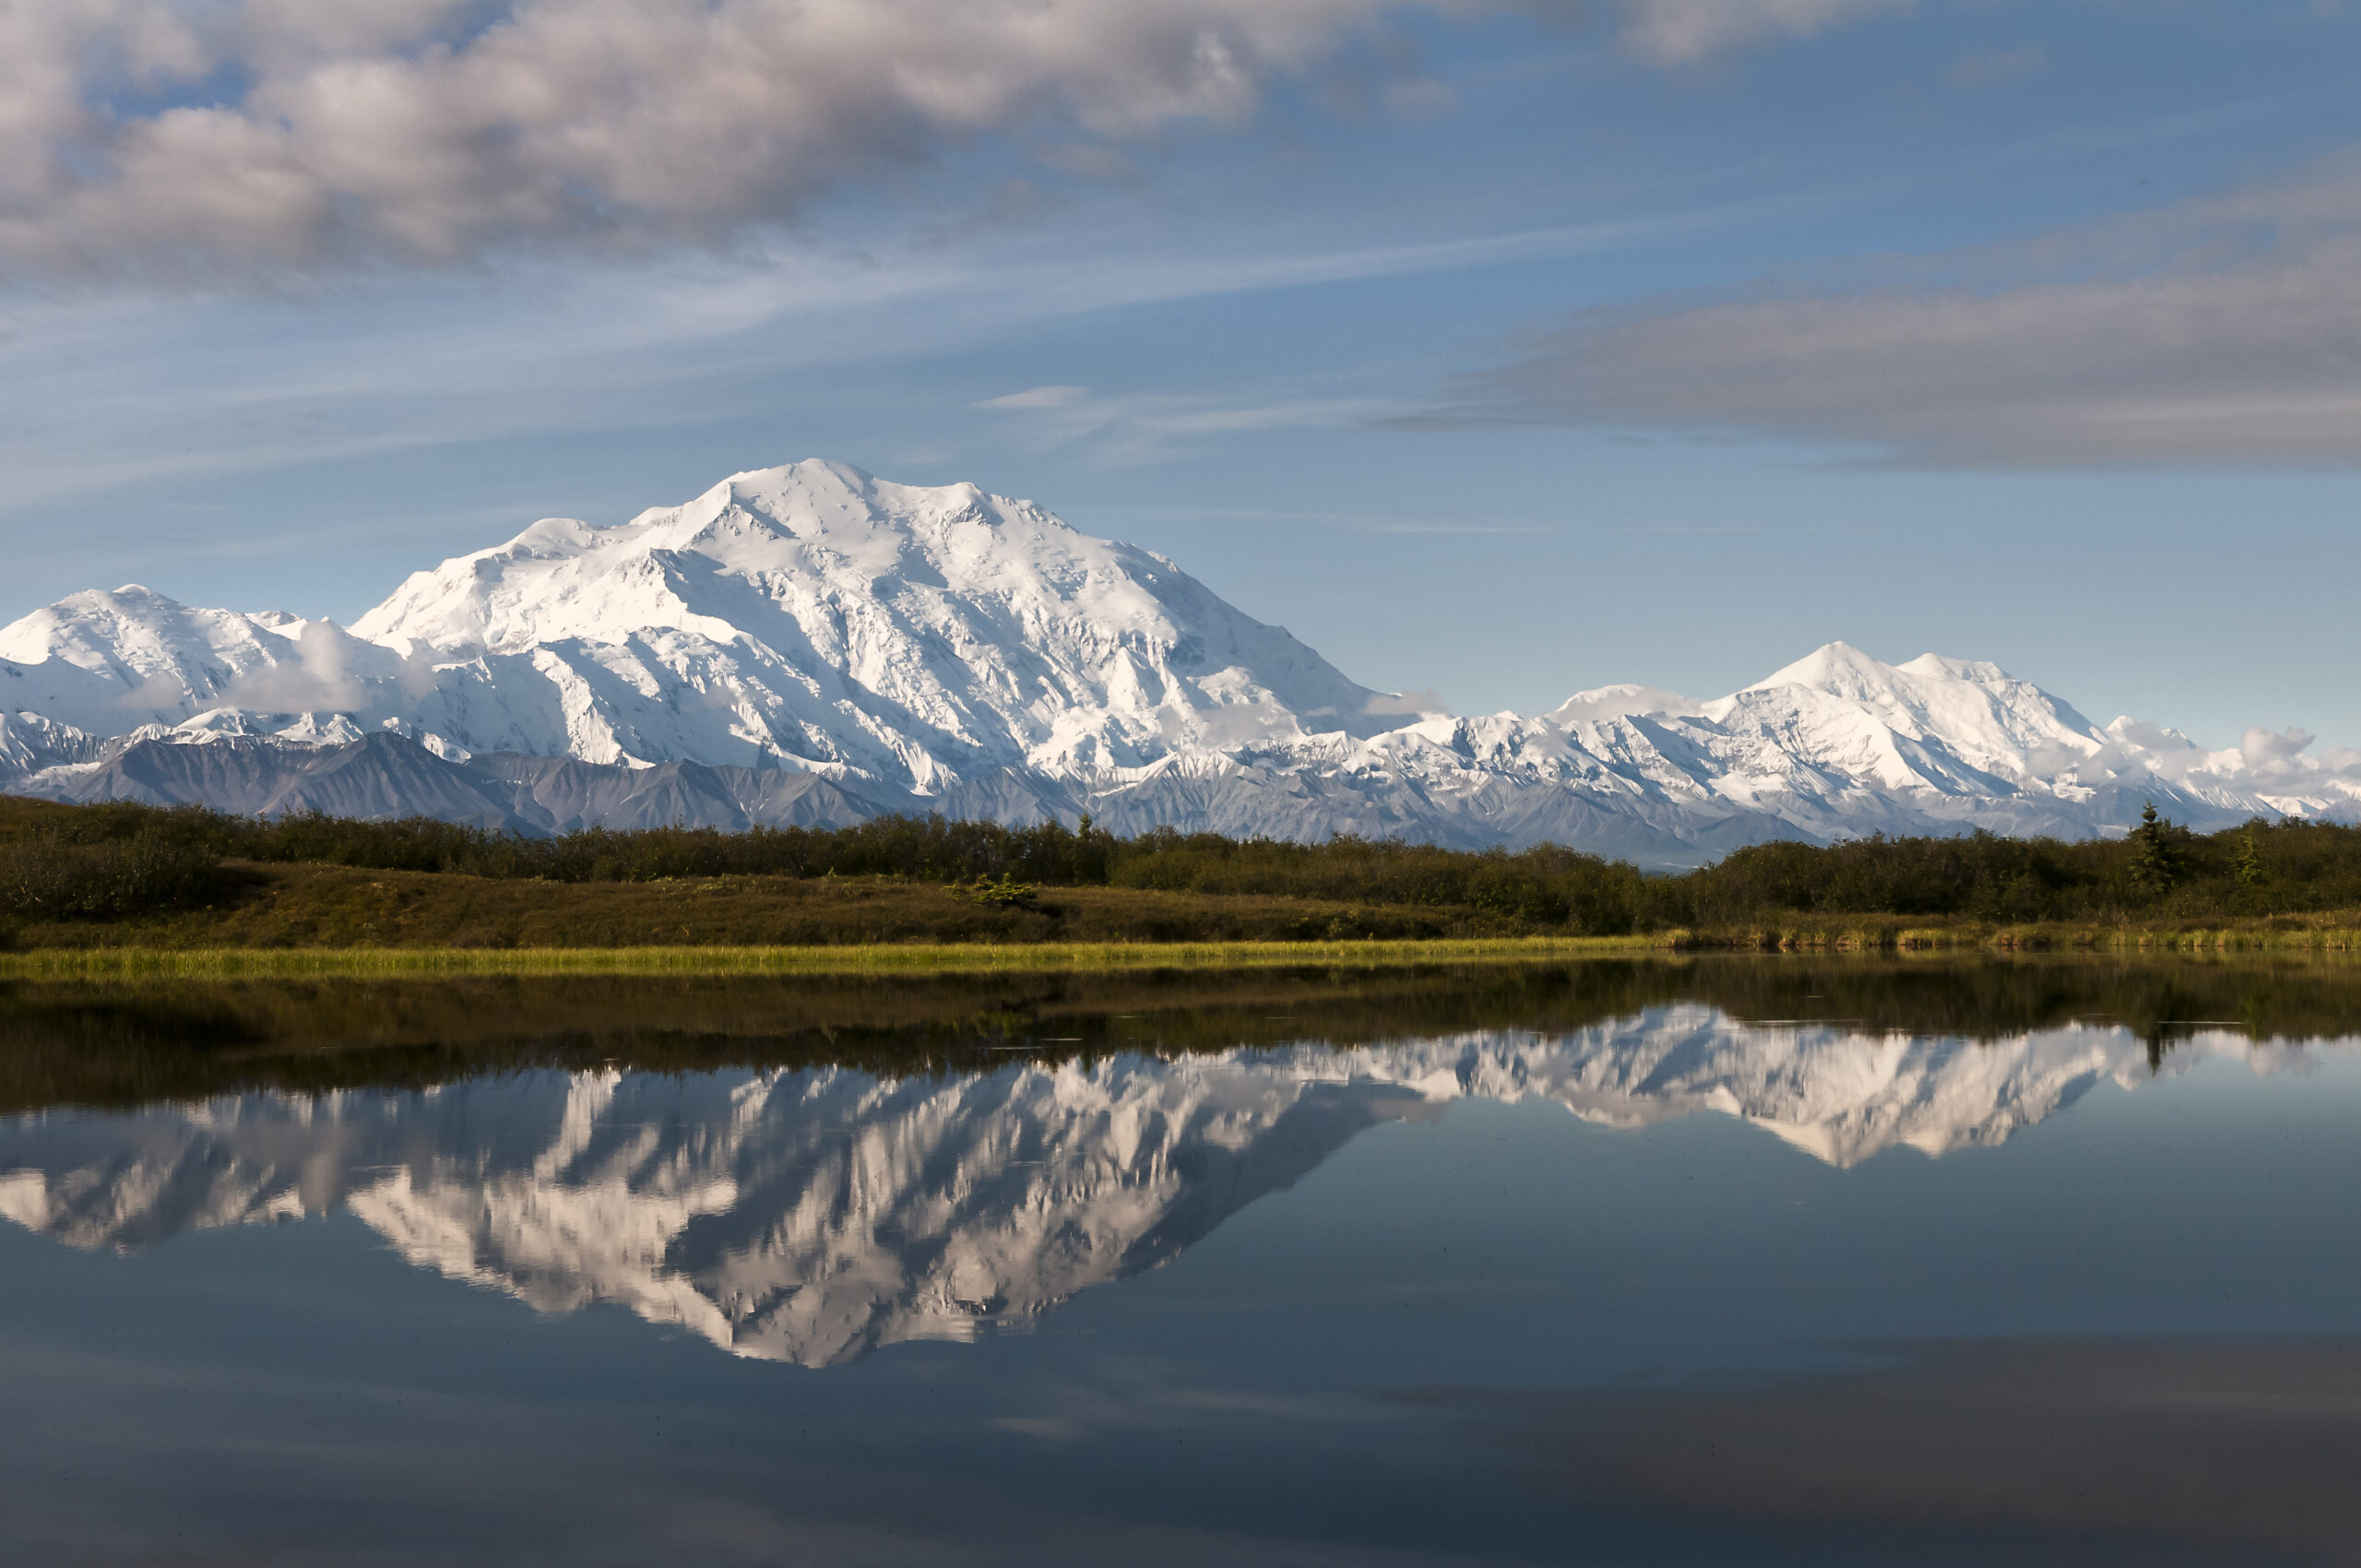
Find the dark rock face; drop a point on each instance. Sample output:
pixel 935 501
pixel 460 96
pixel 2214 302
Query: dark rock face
pixel 381 776
pixel 560 794
pixel 388 776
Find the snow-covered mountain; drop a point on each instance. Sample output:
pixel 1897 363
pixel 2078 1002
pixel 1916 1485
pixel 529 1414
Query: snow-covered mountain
pixel 813 1216
pixel 811 644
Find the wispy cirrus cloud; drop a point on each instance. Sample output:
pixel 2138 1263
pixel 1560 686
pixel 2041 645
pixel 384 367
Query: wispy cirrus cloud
pixel 1397 524
pixel 213 138
pixel 2223 331
pixel 1148 427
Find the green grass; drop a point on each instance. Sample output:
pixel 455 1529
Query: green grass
pixel 926 959
pixel 2336 932
pixel 1013 941
pixel 308 905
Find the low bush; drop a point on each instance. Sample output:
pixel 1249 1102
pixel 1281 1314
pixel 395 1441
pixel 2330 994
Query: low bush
pixel 1548 887
pixel 121 857
pixel 58 876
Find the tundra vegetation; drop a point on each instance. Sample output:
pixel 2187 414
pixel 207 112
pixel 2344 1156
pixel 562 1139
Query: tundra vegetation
pixel 124 875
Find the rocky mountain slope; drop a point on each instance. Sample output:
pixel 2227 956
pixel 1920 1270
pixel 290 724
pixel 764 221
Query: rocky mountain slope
pixel 813 1216
pixel 811 644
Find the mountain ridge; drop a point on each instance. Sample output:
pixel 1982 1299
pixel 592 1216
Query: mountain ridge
pixel 941 649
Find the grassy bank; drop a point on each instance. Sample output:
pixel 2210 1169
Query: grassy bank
pixel 328 920
pixel 121 960
pixel 2330 932
pixel 889 959
pixel 343 907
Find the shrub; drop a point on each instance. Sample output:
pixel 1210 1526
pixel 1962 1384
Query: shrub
pixel 119 858
pixel 58 876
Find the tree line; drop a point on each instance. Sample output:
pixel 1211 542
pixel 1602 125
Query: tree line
pixel 119 859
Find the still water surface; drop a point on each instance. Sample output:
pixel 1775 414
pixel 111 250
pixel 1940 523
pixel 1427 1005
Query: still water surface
pixel 1737 1263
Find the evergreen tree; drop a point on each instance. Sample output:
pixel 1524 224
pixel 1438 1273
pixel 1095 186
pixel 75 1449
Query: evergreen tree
pixel 2249 858
pixel 2159 858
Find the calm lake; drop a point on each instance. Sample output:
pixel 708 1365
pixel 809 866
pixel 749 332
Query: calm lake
pixel 1734 1261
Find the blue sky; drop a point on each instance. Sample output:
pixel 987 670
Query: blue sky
pixel 1497 351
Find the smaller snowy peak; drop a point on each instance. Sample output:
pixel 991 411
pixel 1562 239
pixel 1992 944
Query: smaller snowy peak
pixel 116 663
pixel 133 630
pixel 1930 689
pixel 1946 724
pixel 107 663
pixel 30 742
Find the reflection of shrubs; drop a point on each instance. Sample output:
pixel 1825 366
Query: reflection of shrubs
pixel 52 874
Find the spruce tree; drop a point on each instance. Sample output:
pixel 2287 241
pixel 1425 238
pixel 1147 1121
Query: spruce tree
pixel 2158 859
pixel 2249 858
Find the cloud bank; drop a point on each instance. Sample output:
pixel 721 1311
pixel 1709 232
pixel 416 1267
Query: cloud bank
pixel 2227 330
pixel 211 136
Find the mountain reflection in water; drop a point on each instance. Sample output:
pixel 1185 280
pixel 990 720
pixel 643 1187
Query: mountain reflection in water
pixel 813 1215
pixel 1776 1261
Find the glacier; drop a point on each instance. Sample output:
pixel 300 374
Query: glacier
pixel 810 644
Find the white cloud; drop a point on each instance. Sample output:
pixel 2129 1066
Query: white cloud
pixel 2227 330
pixel 1617 701
pixel 2265 762
pixel 1676 32
pixel 2275 760
pixel 1424 703
pixel 1038 397
pixel 189 137
pixel 405 130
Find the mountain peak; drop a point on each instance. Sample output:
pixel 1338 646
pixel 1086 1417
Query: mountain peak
pixel 1838 668
pixel 825 618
